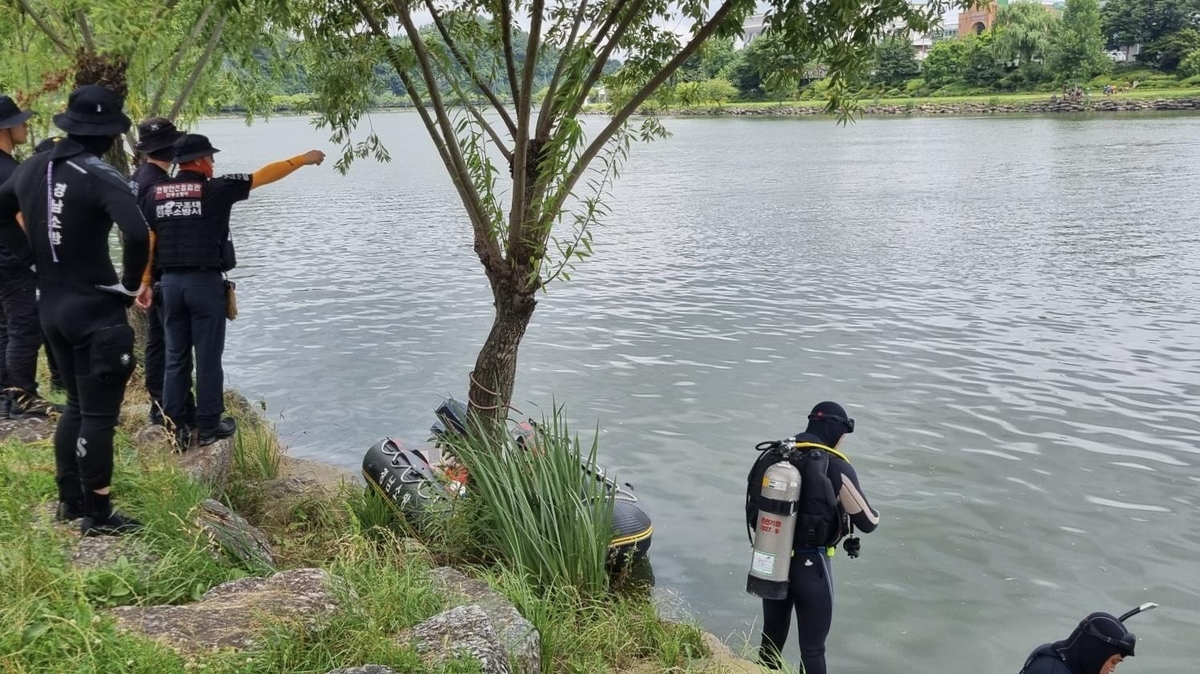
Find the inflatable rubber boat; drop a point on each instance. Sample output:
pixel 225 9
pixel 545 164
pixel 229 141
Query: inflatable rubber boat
pixel 410 477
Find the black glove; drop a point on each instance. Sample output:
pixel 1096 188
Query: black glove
pixel 852 546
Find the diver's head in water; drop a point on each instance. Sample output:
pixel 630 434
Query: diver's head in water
pixel 1097 645
pixel 829 422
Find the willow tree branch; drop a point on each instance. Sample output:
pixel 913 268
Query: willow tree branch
pixel 647 90
pixel 485 242
pixel 198 70
pixel 602 60
pixel 86 31
pixel 609 20
pixel 465 101
pixel 414 95
pixel 544 117
pixel 521 158
pixel 510 59
pixel 45 28
pixel 470 68
pixel 184 47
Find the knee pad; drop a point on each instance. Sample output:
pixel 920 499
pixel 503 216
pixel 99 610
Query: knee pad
pixel 113 360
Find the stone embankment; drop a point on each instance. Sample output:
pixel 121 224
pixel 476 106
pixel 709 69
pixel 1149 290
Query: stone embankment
pixel 963 108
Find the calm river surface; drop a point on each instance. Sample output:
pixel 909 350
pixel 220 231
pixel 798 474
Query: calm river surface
pixel 1008 306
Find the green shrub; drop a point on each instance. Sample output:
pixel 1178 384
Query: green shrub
pixel 914 85
pixel 550 520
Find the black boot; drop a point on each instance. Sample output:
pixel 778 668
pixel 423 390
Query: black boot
pixel 225 429
pixel 100 519
pixel 69 509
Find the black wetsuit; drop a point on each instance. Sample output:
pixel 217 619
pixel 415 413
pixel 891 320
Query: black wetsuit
pixel 20 333
pixel 146 176
pixel 1082 652
pixel 810 579
pixel 83 302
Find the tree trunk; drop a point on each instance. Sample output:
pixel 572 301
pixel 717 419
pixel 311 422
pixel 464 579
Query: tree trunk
pixel 495 372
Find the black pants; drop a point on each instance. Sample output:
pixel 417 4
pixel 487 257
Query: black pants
pixel 93 345
pixel 194 308
pixel 810 595
pixel 20 333
pixel 156 363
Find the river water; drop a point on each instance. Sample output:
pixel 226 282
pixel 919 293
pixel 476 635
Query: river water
pixel 1008 307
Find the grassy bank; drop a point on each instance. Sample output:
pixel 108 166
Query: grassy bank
pixel 53 613
pixel 889 105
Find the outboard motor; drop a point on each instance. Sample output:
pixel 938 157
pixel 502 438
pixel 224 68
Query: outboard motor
pixel 771 561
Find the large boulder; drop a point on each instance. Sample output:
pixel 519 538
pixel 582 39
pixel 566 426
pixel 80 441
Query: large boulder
pixel 231 535
pixel 463 631
pixel 212 464
pixel 236 614
pixel 519 637
pixel 27 430
pixel 98 552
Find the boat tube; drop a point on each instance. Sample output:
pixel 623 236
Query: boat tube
pixel 411 477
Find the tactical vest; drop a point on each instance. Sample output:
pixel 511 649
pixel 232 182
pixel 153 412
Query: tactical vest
pixel 187 237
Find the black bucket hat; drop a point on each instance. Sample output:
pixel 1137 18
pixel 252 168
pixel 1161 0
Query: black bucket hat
pixel 11 114
pixel 155 134
pixel 193 146
pixel 93 110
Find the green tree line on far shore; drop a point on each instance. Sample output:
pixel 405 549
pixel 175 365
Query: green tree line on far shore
pixel 1030 47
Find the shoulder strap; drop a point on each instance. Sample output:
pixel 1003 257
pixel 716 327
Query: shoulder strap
pixel 831 450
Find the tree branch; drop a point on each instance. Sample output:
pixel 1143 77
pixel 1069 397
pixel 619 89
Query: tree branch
pixel 184 47
pixel 602 59
pixel 609 19
pixel 623 115
pixel 521 158
pixel 485 247
pixel 46 29
pixel 198 70
pixel 510 59
pixel 474 205
pixel 85 31
pixel 470 68
pixel 544 117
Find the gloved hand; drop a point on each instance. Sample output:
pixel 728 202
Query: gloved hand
pixel 852 546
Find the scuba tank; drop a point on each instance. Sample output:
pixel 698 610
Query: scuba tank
pixel 772 550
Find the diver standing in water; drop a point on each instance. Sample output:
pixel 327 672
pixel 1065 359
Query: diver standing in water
pixel 1099 643
pixel 827 503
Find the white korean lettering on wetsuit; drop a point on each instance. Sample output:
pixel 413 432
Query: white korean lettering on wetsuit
pixel 56 209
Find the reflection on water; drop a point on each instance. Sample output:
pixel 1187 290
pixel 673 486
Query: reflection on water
pixel 1007 306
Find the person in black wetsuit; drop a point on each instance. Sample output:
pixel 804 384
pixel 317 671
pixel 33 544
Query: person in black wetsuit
pixel 1097 646
pixel 56 382
pixel 69 199
pixel 810 579
pixel 20 332
pixel 156 141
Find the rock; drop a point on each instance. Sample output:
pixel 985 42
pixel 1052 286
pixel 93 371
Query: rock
pixel 461 631
pixel 417 550
pixel 27 430
pixel 330 477
pixel 231 535
pixel 365 669
pixel 135 416
pixel 97 552
pixel 211 464
pixel 152 435
pixel 723 660
pixel 519 637
pixel 237 405
pixel 236 614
